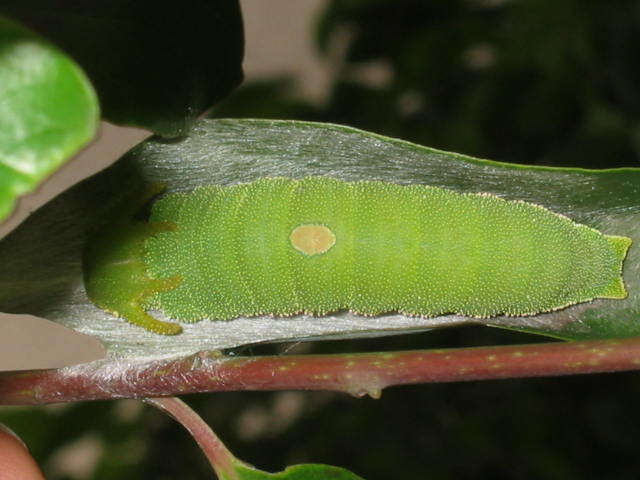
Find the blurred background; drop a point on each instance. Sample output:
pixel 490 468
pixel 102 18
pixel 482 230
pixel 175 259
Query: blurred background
pixel 537 82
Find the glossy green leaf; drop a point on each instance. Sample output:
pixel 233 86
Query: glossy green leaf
pixel 224 152
pixel 48 111
pixel 296 472
pixel 155 65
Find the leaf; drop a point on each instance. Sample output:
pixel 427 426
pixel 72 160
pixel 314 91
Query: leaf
pixel 296 472
pixel 155 65
pixel 42 268
pixel 48 111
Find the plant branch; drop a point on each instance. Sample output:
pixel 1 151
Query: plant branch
pixel 220 458
pixel 357 374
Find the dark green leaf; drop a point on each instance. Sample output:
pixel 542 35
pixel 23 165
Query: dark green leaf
pixel 48 111
pixel 156 65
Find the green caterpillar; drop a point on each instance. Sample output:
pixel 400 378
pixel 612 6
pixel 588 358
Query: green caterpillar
pixel 280 246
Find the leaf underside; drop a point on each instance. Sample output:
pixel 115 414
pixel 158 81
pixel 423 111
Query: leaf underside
pixel 45 252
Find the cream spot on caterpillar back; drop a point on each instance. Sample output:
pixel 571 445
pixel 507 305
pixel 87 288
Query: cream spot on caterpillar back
pixel 312 239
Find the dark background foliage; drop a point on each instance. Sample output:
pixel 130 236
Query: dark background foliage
pixel 537 82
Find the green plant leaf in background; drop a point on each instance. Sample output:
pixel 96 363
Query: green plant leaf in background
pixel 48 111
pixel 155 65
pixel 230 151
pixel 296 472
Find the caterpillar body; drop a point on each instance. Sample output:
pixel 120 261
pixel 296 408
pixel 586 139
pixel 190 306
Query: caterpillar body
pixel 317 245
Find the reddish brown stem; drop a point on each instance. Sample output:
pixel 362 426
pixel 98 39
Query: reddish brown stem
pixel 357 374
pixel 219 456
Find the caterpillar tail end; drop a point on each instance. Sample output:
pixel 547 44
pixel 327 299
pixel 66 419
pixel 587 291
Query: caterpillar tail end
pixel 620 246
pixel 132 309
pixel 135 314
